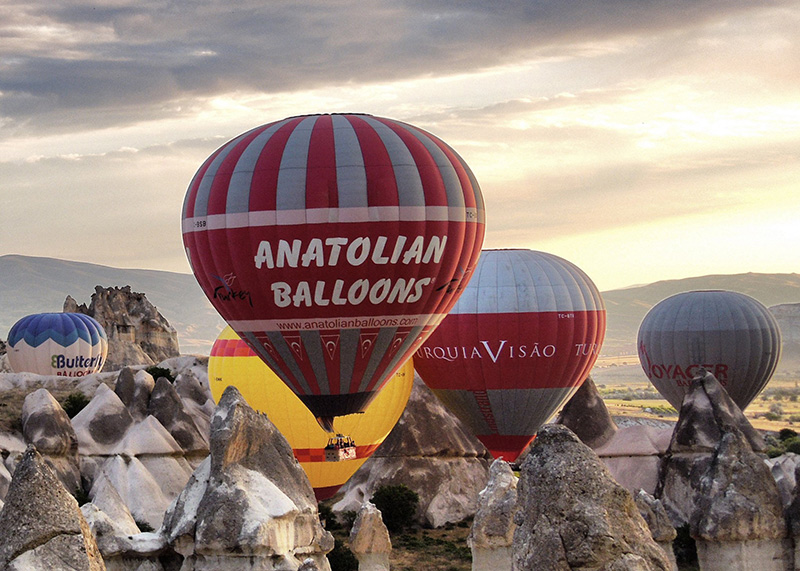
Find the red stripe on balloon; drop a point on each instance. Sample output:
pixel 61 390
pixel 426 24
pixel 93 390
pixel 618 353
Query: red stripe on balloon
pixel 218 197
pixel 265 172
pixel 321 187
pixel 381 182
pixel 430 175
pixel 191 194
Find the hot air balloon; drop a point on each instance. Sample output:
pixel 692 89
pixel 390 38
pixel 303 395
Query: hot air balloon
pixel 232 362
pixel 333 245
pixel 518 343
pixel 64 344
pixel 729 334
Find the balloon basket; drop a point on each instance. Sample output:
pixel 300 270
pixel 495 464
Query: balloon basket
pixel 340 448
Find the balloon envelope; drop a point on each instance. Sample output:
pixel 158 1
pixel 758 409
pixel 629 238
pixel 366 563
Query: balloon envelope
pixel 64 344
pixel 730 334
pixel 232 362
pixel 333 244
pixel 518 343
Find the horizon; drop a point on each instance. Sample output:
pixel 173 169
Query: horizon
pixel 632 286
pixel 642 143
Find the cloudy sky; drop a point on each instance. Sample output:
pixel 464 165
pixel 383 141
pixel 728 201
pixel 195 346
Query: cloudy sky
pixel 642 140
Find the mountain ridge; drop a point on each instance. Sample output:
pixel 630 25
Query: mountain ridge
pixel 31 284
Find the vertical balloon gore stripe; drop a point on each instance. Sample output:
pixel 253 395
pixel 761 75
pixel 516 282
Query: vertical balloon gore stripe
pixel 322 189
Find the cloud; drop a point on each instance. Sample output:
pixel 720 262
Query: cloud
pixel 100 63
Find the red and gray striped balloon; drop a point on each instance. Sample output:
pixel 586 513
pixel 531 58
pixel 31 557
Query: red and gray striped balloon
pixel 729 334
pixel 518 343
pixel 333 244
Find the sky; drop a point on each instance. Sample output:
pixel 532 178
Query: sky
pixel 641 140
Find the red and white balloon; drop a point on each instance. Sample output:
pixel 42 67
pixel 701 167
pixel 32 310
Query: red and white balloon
pixel 518 343
pixel 333 244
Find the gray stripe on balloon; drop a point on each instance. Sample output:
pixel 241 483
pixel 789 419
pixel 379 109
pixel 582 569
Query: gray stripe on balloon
pixel 452 184
pixel 290 193
pixel 204 188
pixel 240 186
pixel 406 174
pixel 351 176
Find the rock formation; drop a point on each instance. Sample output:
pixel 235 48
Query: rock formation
pixel 788 317
pixel 369 539
pixel 137 333
pixel 586 415
pixel 662 531
pixel 431 452
pixel 633 455
pixel 249 505
pixel 492 532
pixel 707 414
pixel 41 526
pixel 572 515
pixel 133 389
pixel 738 523
pixel 48 428
pixel 167 407
pixel 714 478
pixel 783 469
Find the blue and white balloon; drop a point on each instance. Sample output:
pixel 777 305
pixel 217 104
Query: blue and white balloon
pixel 64 344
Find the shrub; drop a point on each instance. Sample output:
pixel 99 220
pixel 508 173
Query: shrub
pixel 157 372
pixel 74 403
pixel 398 505
pixel 786 434
pixel 328 518
pixel 792 445
pixel 775 451
pixel 348 518
pixel 341 558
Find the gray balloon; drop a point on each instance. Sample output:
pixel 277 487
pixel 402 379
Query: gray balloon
pixel 731 335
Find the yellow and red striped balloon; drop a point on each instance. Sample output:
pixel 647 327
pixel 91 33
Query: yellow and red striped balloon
pixel 232 362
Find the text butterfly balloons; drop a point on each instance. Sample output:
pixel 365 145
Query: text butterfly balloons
pixel 729 334
pixel 64 344
pixel 333 245
pixel 518 343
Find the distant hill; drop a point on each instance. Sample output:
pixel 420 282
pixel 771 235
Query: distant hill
pixel 36 285
pixel 627 307
pixel 33 285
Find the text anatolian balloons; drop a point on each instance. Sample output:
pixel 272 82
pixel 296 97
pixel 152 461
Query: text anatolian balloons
pixel 232 362
pixel 333 244
pixel 518 343
pixel 731 335
pixel 64 344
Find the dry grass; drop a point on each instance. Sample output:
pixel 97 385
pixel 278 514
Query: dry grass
pixel 11 406
pixel 782 393
pixel 443 549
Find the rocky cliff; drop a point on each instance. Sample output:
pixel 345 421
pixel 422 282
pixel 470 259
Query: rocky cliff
pixel 788 317
pixel 137 333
